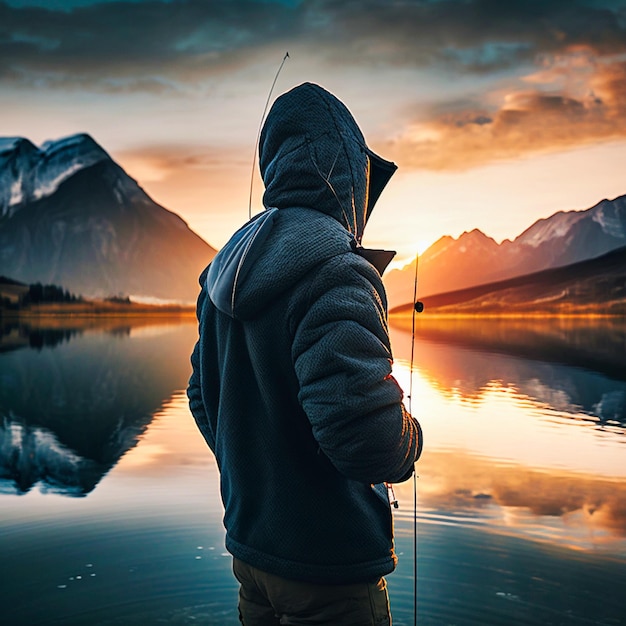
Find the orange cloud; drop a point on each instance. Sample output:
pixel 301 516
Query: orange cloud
pixel 161 162
pixel 209 185
pixel 577 100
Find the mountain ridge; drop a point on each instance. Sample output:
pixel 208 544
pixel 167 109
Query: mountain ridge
pixel 70 215
pixel 595 285
pixel 564 238
pixel 90 227
pixel 29 173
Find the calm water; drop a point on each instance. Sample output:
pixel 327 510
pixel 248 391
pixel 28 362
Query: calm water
pixel 110 514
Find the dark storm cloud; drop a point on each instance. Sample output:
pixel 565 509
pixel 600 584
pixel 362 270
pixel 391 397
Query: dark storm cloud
pixel 479 34
pixel 141 45
pixel 161 45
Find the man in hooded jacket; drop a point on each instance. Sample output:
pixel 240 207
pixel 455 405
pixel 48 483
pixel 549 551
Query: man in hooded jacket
pixel 292 386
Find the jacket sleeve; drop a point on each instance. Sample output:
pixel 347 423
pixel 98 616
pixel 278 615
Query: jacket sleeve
pixel 194 388
pixel 342 359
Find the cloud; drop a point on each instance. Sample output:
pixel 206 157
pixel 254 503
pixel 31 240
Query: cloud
pixel 135 46
pixel 196 176
pixel 551 72
pixel 210 185
pixel 154 45
pixel 579 100
pixel 479 35
pixel 158 162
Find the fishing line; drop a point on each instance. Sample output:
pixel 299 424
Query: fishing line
pixel 258 137
pixel 415 310
pixel 418 307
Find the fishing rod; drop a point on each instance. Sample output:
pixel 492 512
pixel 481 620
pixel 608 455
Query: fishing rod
pixel 258 137
pixel 418 307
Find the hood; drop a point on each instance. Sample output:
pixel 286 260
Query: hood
pixel 321 184
pixel 312 154
pixel 269 255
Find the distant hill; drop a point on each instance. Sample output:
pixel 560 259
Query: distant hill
pixel 594 286
pixel 69 215
pixel 11 290
pixel 9 282
pixel 475 259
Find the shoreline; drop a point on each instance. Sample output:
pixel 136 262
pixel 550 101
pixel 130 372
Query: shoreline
pixel 407 315
pixel 97 309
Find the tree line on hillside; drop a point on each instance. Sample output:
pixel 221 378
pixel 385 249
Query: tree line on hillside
pixel 38 293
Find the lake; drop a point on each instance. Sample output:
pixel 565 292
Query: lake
pixel 109 505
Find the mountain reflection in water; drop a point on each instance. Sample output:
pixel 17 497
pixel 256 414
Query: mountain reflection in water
pixel 570 364
pixel 521 489
pixel 69 410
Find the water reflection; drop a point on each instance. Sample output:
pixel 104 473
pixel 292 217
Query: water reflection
pixel 583 512
pixel 596 344
pixel 68 414
pixel 521 490
pixel 15 335
pixel 573 365
pixel 522 441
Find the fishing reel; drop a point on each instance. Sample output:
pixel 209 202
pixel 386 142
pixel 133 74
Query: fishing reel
pixel 419 306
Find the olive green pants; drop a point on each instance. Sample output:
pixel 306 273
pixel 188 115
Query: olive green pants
pixel 268 600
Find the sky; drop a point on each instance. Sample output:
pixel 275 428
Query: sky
pixel 498 113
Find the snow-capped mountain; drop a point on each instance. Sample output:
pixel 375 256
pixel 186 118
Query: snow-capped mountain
pixel 28 173
pixel 568 237
pixel 475 259
pixel 73 217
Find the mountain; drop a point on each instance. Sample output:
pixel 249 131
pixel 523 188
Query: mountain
pixel 474 259
pixel 28 173
pixel 596 285
pixel 11 290
pixel 71 216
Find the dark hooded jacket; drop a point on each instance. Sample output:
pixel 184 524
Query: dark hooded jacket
pixel 291 385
